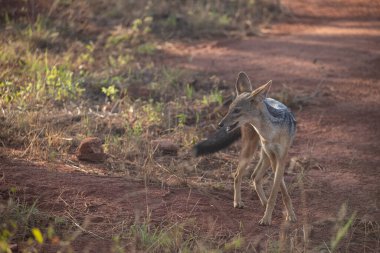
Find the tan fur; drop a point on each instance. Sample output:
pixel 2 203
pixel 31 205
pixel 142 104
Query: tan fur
pixel 248 112
pixel 246 155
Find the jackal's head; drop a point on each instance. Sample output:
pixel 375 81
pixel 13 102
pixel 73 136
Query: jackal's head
pixel 247 105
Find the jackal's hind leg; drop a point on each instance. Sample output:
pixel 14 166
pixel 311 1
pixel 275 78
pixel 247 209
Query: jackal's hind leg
pixel 258 174
pixel 290 215
pixel 278 177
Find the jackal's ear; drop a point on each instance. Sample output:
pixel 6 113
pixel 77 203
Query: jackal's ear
pixel 262 91
pixel 243 84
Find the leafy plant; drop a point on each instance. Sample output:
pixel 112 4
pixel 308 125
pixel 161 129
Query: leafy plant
pixel 181 119
pixel 153 112
pixel 110 91
pixel 86 57
pixel 59 84
pixel 8 92
pixel 137 129
pixel 214 97
pixel 133 35
pixel 120 61
pixel 147 48
pixel 189 91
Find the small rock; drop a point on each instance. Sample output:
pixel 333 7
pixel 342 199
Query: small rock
pixel 91 150
pixel 166 146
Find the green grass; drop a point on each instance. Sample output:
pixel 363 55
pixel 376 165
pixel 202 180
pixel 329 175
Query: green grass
pixel 23 223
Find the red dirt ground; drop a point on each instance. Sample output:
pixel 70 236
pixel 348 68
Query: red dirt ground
pixel 332 47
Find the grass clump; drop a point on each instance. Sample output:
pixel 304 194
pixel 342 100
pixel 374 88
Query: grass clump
pixel 24 227
pixel 200 19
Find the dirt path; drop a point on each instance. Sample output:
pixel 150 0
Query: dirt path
pixel 336 54
pixel 332 51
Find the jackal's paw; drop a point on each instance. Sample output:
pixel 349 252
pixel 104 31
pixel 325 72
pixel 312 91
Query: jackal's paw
pixel 239 205
pixel 265 221
pixel 291 217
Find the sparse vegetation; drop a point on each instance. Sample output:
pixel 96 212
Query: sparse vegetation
pixel 60 83
pixel 73 69
pixel 24 226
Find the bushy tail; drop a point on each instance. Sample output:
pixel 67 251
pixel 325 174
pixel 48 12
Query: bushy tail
pixel 217 141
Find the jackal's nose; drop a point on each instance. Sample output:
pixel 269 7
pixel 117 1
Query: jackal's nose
pixel 221 124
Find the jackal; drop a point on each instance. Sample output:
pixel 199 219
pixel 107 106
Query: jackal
pixel 256 118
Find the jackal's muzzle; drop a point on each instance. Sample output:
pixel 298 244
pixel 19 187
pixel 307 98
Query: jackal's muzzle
pixel 230 127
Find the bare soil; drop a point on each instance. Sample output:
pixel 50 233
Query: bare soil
pixel 326 50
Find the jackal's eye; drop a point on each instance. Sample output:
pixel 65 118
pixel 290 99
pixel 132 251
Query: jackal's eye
pixel 236 110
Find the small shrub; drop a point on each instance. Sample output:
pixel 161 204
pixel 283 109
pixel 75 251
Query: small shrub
pixel 110 91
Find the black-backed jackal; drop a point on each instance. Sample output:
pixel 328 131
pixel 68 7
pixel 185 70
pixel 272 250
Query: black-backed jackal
pixel 256 118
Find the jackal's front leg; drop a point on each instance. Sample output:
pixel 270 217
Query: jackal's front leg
pixel 243 165
pixel 250 141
